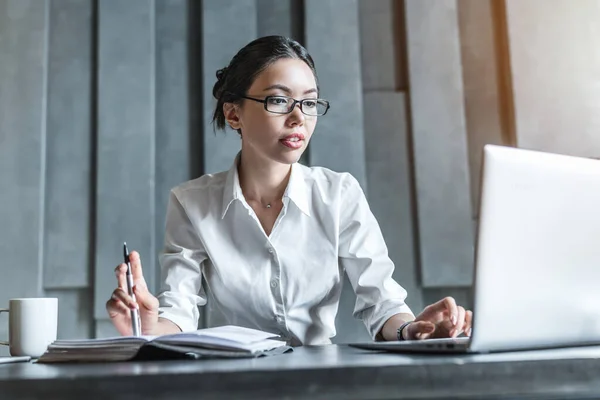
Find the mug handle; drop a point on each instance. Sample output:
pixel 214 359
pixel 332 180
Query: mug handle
pixel 6 311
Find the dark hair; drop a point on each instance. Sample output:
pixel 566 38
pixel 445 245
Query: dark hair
pixel 252 59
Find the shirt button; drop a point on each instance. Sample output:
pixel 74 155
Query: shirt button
pixel 279 320
pixel 274 283
pixel 270 250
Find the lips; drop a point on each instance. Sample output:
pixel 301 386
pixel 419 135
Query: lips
pixel 293 141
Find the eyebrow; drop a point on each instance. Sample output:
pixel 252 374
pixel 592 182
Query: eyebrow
pixel 287 89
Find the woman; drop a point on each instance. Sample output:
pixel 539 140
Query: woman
pixel 269 240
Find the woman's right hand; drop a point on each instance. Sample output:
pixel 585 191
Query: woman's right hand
pixel 120 304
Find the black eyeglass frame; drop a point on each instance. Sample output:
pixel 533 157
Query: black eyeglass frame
pixel 266 99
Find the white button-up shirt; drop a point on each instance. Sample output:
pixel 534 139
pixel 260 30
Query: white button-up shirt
pixel 288 282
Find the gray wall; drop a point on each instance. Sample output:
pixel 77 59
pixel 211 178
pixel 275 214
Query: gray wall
pixel 105 105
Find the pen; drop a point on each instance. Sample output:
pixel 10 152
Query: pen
pixel 135 314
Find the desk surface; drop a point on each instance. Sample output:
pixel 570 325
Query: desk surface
pixel 327 372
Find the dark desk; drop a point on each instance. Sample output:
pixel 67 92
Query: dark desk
pixel 329 372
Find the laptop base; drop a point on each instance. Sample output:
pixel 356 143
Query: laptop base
pixel 436 346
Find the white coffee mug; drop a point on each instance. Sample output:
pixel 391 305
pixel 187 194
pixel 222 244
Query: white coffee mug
pixel 32 325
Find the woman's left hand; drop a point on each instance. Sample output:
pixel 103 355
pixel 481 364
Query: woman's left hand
pixel 443 319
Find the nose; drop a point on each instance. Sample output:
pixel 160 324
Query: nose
pixel 296 116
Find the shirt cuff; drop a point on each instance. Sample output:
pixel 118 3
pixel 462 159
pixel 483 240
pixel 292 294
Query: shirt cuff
pixel 380 314
pixel 184 323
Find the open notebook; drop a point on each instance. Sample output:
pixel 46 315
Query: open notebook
pixel 220 342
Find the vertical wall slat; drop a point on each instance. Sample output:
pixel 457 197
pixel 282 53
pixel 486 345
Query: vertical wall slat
pixel 69 146
pixel 378 49
pixel 274 17
pixel 23 33
pixel 75 320
pixel 104 328
pixel 462 295
pixel 554 62
pixel 481 73
pixel 227 26
pixel 125 151
pixel 439 143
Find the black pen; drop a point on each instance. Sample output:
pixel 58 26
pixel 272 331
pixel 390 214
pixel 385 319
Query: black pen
pixel 135 314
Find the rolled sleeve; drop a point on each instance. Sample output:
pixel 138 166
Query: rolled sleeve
pixel 181 275
pixel 364 256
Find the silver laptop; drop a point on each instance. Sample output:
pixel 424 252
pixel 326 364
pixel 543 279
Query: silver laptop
pixel 537 262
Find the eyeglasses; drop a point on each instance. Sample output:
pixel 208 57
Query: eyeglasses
pixel 285 105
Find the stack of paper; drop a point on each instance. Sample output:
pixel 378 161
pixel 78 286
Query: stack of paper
pixel 224 341
pixel 10 360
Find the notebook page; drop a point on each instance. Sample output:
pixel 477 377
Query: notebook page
pixel 116 340
pixel 229 335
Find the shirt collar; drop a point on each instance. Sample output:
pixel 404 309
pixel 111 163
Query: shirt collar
pixel 232 189
pixel 297 190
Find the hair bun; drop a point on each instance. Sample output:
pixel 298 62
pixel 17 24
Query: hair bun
pixel 221 73
pixel 218 87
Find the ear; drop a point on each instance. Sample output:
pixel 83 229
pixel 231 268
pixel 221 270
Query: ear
pixel 231 112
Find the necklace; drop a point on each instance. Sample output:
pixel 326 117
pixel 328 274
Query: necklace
pixel 270 204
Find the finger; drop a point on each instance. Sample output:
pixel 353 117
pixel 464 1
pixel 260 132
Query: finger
pixel 468 322
pixel 115 308
pixel 145 299
pixel 136 269
pixel 448 305
pixel 420 330
pixel 458 328
pixel 120 295
pixel 120 272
